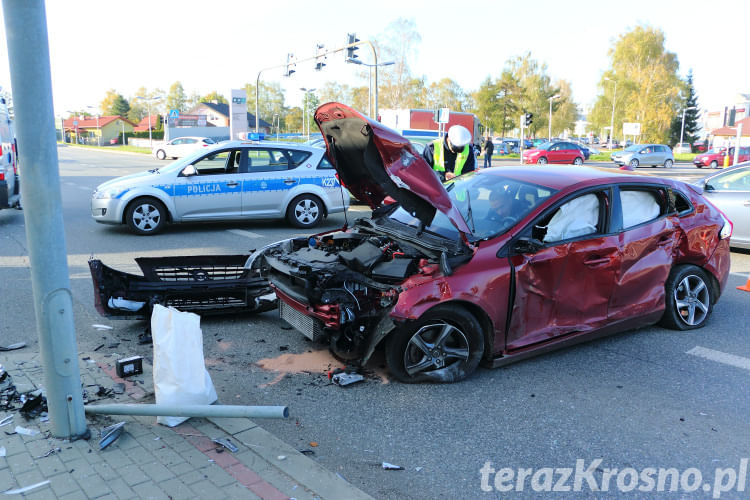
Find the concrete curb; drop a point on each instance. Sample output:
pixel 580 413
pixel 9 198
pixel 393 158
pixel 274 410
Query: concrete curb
pixel 79 148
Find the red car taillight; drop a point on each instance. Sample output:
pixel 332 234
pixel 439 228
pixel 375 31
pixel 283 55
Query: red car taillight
pixel 2 176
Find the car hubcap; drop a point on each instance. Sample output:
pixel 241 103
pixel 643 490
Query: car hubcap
pixel 578 161
pixel 542 161
pixel 692 300
pixel 434 346
pixel 146 217
pixel 306 211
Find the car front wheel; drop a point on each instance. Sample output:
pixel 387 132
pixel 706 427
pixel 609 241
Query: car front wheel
pixel 541 161
pixel 689 298
pixel 161 154
pixel 578 161
pixel 634 163
pixel 714 164
pixel 146 216
pixel 445 345
pixel 305 211
pixel 668 164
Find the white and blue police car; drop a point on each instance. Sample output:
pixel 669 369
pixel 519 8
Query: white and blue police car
pixel 232 180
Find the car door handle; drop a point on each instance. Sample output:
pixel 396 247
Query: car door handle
pixel 232 184
pixel 290 181
pixel 596 261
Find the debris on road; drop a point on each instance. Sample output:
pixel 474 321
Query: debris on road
pixel 344 378
pixel 25 431
pixel 34 404
pixel 110 434
pixel 226 443
pixel 6 420
pixel 388 466
pixel 102 327
pixel 13 347
pixel 19 491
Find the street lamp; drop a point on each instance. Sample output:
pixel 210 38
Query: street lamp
pixel 549 137
pixel 304 112
pixel 98 130
pixel 612 122
pixel 369 88
pixel 148 101
pixel 682 129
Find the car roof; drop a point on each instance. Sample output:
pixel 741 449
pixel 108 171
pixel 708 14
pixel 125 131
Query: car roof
pixel 264 144
pixel 562 176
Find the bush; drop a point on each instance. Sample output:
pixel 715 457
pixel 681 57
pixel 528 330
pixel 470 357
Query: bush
pixel 155 134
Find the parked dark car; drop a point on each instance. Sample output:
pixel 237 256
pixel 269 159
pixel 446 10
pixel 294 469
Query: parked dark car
pixel 494 266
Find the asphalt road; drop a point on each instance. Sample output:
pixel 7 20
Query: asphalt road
pixel 636 399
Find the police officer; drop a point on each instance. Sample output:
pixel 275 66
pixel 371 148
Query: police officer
pixel 452 155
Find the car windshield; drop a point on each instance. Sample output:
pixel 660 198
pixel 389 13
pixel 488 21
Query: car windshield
pixel 634 147
pixel 714 151
pixel 545 146
pixel 490 205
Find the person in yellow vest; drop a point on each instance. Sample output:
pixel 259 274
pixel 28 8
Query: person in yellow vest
pixel 452 155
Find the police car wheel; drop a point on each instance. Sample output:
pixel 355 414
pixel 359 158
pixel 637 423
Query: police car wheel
pixel 305 211
pixel 161 154
pixel 146 216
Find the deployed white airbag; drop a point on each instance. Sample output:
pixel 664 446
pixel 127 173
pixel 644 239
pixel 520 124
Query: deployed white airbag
pixel 578 217
pixel 638 207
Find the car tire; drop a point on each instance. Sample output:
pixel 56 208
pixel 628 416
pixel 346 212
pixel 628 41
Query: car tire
pixel 689 298
pixel 417 353
pixel 714 164
pixel 305 211
pixel 668 164
pixel 161 154
pixel 146 216
pixel 541 161
pixel 634 163
pixel 578 161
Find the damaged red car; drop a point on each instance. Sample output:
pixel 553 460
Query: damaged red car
pixel 492 267
pixel 498 264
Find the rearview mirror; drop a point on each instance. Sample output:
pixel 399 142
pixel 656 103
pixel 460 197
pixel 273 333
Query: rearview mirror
pixel 189 171
pixel 527 245
pixel 708 187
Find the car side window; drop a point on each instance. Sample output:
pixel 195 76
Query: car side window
pixel 296 157
pixel 266 160
pixel 176 142
pixel 324 164
pixel 731 181
pixel 639 206
pixel 222 162
pixel 581 216
pixel 679 203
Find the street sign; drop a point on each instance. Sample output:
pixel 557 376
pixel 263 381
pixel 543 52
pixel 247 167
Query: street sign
pixel 174 114
pixel 444 115
pixel 239 100
pixel 631 129
pixel 75 123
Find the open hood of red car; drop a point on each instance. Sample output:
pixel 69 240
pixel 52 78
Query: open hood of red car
pixel 374 162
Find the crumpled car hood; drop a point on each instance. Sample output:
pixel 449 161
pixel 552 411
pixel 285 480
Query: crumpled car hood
pixel 375 162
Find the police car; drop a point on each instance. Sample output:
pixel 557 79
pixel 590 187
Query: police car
pixel 233 180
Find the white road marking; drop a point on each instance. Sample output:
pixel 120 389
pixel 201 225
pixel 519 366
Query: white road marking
pixel 721 357
pixel 246 234
pixel 84 188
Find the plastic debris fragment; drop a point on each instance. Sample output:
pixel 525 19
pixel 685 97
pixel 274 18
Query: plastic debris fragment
pixel 388 466
pixel 226 443
pixel 19 491
pixel 110 434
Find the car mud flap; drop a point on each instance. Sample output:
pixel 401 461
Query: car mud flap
pixel 211 284
pixel 381 331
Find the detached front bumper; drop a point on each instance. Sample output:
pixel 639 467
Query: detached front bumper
pixel 107 210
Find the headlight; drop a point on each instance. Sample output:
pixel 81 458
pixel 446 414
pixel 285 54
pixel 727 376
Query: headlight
pixel 108 193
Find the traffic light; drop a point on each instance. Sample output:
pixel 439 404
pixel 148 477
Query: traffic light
pixel 528 119
pixel 350 51
pixel 319 58
pixel 289 64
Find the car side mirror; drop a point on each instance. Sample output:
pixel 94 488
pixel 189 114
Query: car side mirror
pixel 709 187
pixel 189 171
pixel 527 245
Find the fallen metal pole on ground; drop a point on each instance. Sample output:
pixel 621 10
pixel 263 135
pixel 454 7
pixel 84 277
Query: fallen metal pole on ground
pixel 156 410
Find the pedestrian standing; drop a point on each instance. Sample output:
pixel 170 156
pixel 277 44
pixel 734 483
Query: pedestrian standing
pixel 489 148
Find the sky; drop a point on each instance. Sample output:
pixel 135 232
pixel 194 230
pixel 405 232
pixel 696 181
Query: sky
pixel 219 45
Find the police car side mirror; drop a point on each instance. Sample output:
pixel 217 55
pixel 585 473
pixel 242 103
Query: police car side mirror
pixel 189 171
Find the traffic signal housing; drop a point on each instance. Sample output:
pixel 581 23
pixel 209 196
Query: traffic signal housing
pixel 289 65
pixel 319 58
pixel 351 56
pixel 528 119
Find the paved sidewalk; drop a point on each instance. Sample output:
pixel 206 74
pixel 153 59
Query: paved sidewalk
pixel 150 460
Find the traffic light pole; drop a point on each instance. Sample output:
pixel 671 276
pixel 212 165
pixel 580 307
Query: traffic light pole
pixel 28 54
pixel 317 56
pixel 520 143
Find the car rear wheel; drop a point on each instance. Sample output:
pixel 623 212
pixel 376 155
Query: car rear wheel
pixel 634 163
pixel 445 345
pixel 578 161
pixel 161 154
pixel 668 164
pixel 689 298
pixel 146 216
pixel 714 164
pixel 541 161
pixel 305 211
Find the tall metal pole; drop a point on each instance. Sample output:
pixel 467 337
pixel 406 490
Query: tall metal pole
pixel 28 54
pixel 612 121
pixel 682 129
pixel 549 134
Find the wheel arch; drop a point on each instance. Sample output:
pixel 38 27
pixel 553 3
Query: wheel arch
pixel 163 199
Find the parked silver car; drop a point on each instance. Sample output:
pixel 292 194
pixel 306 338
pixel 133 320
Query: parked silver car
pixel 181 147
pixel 644 154
pixel 233 180
pixel 729 190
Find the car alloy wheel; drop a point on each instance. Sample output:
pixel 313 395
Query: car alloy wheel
pixel 689 299
pixel 578 161
pixel 634 163
pixel 161 154
pixel 714 164
pixel 305 211
pixel 541 161
pixel 668 164
pixel 146 216
pixel 445 345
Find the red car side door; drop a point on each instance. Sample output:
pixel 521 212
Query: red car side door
pixel 554 154
pixel 564 287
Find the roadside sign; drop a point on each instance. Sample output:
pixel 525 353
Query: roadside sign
pixel 631 129
pixel 75 123
pixel 174 114
pixel 444 115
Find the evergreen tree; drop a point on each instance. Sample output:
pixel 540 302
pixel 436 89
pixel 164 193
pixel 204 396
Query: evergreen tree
pixel 690 133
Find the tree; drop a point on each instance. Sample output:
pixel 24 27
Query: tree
pixel 536 90
pixel 690 132
pixel 176 98
pixel 497 102
pixel 445 94
pixel 139 107
pixel 648 86
pixel 215 96
pixel 564 110
pixel 399 89
pixel 114 104
pixel 310 103
pixel 270 100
